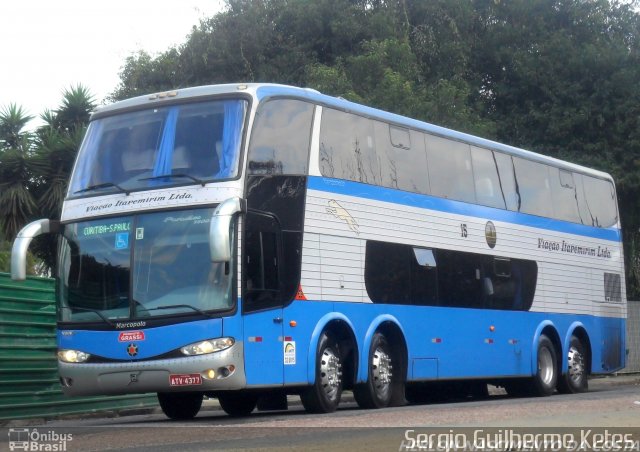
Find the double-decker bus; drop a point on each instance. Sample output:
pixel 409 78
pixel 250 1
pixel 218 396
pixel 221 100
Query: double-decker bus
pixel 248 242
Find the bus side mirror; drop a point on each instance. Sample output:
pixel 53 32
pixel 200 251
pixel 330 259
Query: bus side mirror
pixel 22 242
pixel 219 230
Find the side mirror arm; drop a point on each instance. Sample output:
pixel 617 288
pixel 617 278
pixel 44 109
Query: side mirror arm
pixel 219 229
pixel 22 242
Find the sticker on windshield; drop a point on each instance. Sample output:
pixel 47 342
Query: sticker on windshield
pixel 122 240
pixel 139 233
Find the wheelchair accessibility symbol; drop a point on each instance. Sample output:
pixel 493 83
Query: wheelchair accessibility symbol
pixel 122 240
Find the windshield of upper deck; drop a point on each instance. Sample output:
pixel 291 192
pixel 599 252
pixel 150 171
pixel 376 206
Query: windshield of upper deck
pixel 172 145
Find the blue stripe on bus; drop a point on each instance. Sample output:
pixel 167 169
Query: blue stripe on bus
pixel 366 191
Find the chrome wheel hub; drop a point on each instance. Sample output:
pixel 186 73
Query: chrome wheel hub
pixel 330 373
pixel 381 371
pixel 576 365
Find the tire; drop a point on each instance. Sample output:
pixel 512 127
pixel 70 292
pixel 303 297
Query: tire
pixel 378 389
pixel 546 378
pixel 180 406
pixel 575 379
pixel 237 404
pixel 324 395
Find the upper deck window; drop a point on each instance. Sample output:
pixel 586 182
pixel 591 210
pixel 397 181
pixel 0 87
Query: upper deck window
pixel 280 138
pixel 161 146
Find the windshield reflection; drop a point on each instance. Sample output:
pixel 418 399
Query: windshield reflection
pixel 148 265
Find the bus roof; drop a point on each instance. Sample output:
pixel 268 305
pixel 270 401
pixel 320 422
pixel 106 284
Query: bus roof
pixel 268 90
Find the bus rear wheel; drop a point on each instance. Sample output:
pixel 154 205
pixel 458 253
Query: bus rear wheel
pixel 544 382
pixel 237 404
pixel 324 395
pixel 180 406
pixel 575 380
pixel 377 391
pixel 546 377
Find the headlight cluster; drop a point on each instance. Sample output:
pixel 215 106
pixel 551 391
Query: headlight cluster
pixel 208 346
pixel 72 356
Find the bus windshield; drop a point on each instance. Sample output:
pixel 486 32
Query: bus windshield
pixel 161 146
pixel 140 266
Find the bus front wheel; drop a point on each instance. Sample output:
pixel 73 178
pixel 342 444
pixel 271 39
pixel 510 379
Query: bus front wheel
pixel 377 391
pixel 324 395
pixel 180 406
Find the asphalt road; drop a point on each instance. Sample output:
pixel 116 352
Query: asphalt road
pixel 611 405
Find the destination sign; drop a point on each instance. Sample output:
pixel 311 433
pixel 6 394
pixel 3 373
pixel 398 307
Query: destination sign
pixel 108 228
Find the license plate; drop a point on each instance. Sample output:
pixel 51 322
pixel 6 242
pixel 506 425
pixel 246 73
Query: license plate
pixel 185 380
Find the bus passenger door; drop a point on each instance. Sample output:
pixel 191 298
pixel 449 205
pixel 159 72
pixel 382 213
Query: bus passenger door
pixel 261 303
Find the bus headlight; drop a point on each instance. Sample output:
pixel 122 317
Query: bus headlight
pixel 73 356
pixel 208 346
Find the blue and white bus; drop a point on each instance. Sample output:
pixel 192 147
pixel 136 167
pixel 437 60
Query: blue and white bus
pixel 248 242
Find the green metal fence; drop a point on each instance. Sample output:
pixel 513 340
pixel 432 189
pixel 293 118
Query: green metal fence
pixel 29 385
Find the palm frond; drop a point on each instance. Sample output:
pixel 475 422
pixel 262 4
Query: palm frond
pixel 13 119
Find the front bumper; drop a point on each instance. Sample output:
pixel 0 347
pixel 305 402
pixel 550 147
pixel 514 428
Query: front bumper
pixel 137 377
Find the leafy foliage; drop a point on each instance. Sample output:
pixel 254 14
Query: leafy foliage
pixel 35 167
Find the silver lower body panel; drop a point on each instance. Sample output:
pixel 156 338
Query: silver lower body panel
pixel 138 377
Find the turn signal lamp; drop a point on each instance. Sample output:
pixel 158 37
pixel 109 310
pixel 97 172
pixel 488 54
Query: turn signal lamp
pixel 208 346
pixel 72 356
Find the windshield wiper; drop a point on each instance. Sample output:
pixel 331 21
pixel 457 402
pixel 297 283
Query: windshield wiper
pixel 167 176
pixel 98 313
pixel 103 185
pixel 174 306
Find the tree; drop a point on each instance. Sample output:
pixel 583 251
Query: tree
pixel 35 167
pixel 17 202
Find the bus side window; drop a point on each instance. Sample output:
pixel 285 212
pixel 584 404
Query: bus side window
pixel 450 172
pixel 280 138
pixel 460 279
pixel 347 147
pixel 601 202
pixel 563 188
pixel 485 174
pixel 513 281
pixel 387 272
pixel 424 277
pixel 402 158
pixel 534 187
pixel 399 274
pixel 507 180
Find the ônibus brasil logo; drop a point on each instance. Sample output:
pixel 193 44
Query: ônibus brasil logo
pixel 32 439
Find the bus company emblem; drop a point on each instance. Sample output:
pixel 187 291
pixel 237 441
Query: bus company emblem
pixel 341 213
pixel 131 336
pixel 490 234
pixel 132 349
